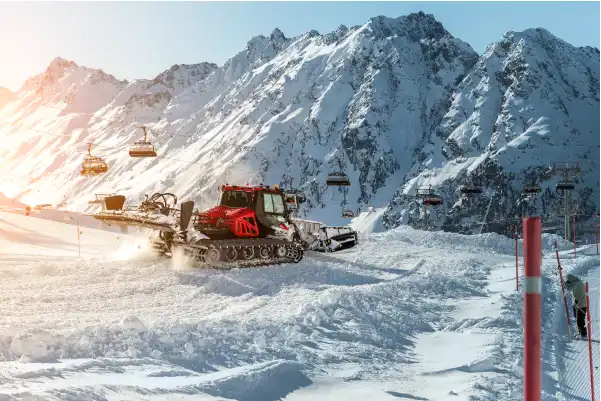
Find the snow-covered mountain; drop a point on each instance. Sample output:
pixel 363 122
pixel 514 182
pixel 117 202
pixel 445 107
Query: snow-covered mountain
pixel 5 96
pixel 531 100
pixel 396 103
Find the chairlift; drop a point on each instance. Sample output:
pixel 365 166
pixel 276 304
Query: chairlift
pixel 471 189
pixel 560 167
pixel 429 197
pixel 338 178
pixel 565 186
pixel 142 148
pixel 532 189
pixel 347 214
pixel 93 165
pixel 433 200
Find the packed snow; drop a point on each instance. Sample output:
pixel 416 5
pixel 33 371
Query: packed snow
pixel 406 314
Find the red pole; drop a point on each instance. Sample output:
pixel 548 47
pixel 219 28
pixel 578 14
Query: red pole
pixel 532 308
pixel 590 345
pixel 515 235
pixel 563 291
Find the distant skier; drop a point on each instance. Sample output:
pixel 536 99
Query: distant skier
pixel 27 210
pixel 578 289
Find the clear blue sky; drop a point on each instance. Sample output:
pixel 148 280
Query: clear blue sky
pixel 141 39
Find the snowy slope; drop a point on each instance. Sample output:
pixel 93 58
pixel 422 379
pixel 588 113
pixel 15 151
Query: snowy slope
pixel 407 314
pixel 530 101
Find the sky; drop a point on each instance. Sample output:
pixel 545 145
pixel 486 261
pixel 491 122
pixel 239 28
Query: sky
pixel 133 40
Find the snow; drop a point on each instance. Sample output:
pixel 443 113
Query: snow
pixel 406 314
pixel 369 221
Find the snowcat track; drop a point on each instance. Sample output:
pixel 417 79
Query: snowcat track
pixel 237 253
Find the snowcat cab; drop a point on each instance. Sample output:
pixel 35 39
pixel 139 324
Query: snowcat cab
pixel 142 148
pixel 246 212
pixel 93 165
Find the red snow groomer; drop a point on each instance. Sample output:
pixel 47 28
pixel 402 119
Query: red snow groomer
pixel 249 226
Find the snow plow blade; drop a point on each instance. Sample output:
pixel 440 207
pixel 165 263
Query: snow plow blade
pixel 318 237
pixel 339 238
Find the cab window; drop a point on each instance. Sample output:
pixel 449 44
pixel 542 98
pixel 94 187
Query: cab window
pixel 235 199
pixel 273 203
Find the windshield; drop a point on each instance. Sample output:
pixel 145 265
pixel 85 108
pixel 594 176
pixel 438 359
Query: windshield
pixel 235 199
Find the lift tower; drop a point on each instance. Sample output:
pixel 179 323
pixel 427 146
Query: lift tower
pixel 568 171
pixel 428 197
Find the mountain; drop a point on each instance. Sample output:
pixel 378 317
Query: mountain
pixel 396 103
pixel 531 100
pixel 5 96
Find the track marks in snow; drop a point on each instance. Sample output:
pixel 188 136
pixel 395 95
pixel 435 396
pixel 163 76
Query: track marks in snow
pixel 269 381
pixel 372 313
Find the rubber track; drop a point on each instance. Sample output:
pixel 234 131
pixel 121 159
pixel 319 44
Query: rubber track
pixel 198 250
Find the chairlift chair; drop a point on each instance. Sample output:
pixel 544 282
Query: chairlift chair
pixel 142 148
pixel 532 189
pixel 531 186
pixel 565 186
pixel 93 165
pixel 429 197
pixel 338 178
pixel 347 214
pixel 471 189
pixel 433 200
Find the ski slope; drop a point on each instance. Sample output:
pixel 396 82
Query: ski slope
pixel 406 315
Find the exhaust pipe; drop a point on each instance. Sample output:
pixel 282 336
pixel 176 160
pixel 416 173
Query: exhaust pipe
pixel 186 210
